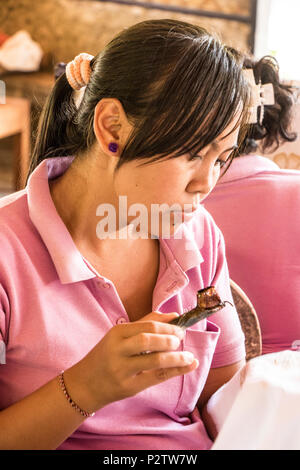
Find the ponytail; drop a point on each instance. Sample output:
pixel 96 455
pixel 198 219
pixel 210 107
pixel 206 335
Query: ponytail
pixel 57 132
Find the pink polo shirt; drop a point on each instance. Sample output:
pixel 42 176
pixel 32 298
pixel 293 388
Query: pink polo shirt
pixel 54 308
pixel 257 207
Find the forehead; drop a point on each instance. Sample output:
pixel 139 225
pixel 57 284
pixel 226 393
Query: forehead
pixel 229 134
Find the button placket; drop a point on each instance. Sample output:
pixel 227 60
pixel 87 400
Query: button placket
pixel 103 283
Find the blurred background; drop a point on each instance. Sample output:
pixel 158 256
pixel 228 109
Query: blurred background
pixel 34 36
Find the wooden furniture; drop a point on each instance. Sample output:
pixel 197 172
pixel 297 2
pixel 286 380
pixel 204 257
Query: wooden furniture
pixel 249 321
pixel 15 121
pixel 34 86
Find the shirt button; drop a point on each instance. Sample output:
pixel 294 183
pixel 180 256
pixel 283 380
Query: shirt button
pixel 103 284
pixel 121 320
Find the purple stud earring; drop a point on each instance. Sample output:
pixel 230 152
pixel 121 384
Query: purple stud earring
pixel 113 147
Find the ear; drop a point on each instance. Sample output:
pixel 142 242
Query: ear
pixel 111 125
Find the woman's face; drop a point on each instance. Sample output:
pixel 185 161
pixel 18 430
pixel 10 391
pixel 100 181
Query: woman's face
pixel 177 185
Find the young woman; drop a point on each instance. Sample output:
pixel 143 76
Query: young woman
pixel 256 205
pixel 125 126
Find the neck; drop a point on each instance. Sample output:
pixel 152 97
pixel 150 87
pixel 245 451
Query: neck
pixel 77 194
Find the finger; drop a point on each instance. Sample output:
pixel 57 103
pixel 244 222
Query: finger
pixel 149 342
pixel 159 360
pixel 155 376
pixel 157 316
pixel 127 330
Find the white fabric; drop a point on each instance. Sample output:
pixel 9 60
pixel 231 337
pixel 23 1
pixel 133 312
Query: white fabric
pixel 21 53
pixel 259 408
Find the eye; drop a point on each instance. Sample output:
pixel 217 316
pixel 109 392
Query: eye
pixel 227 160
pixel 218 162
pixel 193 157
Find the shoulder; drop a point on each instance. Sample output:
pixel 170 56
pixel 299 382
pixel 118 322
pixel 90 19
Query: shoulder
pixel 278 188
pixel 13 205
pixel 266 185
pixel 263 169
pixel 14 221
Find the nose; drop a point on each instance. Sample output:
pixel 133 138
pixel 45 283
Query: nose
pixel 205 179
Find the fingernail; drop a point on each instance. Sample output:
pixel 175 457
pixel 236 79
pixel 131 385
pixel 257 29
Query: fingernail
pixel 188 357
pixel 180 333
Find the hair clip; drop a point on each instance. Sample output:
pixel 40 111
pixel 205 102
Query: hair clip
pixel 261 96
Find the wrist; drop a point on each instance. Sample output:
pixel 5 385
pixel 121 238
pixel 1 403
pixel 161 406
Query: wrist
pixel 79 390
pixel 84 413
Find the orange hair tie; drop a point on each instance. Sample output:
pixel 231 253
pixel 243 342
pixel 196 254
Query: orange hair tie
pixel 78 71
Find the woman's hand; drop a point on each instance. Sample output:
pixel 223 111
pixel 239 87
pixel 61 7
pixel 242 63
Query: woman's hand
pixel 116 367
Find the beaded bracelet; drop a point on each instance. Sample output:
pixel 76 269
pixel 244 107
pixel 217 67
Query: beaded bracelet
pixel 72 403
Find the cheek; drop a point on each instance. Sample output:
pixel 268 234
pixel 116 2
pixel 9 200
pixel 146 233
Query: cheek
pixel 162 184
pixel 146 190
pixel 214 180
pixel 155 184
pixel 216 173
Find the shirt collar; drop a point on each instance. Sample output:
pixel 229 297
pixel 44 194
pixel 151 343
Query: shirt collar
pixel 180 250
pixel 247 165
pixel 183 245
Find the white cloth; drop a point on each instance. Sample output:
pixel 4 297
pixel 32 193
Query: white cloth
pixel 21 53
pixel 259 408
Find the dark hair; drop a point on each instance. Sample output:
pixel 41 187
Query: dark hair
pixel 275 127
pixel 180 87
